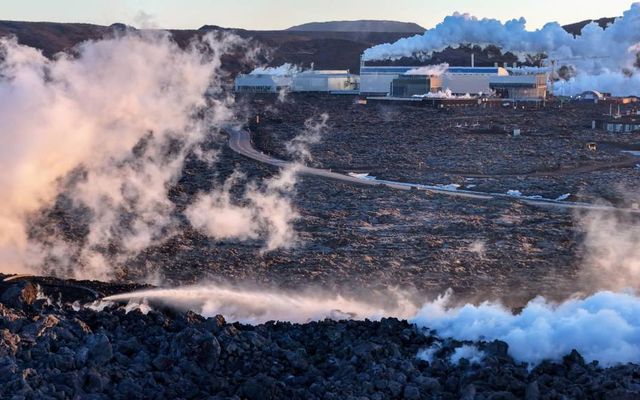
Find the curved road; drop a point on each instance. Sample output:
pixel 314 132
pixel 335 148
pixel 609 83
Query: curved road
pixel 240 142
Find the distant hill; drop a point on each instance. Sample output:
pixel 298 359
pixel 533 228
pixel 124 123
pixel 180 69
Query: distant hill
pixel 359 26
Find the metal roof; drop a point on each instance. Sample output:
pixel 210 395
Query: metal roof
pixel 389 70
pixel 473 70
pixel 451 70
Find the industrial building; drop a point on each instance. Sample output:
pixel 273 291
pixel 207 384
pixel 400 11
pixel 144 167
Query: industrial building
pixel 471 80
pixel 590 96
pixel 262 83
pixel 618 124
pixel 377 80
pixel 330 81
pixel 325 81
pixel 415 85
pixel 520 87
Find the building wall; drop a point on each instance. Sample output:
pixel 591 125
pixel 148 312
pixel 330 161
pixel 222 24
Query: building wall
pixel 460 80
pixel 342 83
pixel 306 83
pixel 262 83
pixel 407 89
pixel 376 83
pixel 466 83
pixel 323 83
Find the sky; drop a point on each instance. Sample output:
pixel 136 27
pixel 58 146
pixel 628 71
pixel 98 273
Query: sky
pixel 280 14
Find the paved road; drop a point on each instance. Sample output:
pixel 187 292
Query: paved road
pixel 240 142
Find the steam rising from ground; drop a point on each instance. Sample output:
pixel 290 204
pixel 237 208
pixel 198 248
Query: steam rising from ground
pixel 605 60
pixel 88 110
pixel 611 251
pixel 110 126
pixel 265 212
pixel 298 147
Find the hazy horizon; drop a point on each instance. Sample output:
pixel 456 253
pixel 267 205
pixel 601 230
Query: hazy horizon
pixel 282 14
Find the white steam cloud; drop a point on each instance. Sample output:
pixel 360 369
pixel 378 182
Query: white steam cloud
pixel 110 126
pixel 603 327
pixel 611 253
pixel 265 212
pixel 88 110
pixel 605 59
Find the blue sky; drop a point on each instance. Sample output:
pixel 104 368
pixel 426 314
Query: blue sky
pixel 279 14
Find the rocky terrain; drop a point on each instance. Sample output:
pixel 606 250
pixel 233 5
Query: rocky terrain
pixel 360 239
pixel 59 350
pixel 474 148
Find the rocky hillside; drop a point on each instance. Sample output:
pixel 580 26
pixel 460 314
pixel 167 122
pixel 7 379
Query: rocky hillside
pixel 63 349
pixel 359 26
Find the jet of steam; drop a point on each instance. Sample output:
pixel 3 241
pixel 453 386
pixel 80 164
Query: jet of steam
pixel 260 306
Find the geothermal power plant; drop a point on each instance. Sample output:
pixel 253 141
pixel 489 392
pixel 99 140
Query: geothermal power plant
pixel 251 207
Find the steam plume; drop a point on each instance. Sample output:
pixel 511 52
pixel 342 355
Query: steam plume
pixel 602 327
pixel 298 147
pixel 88 110
pixel 605 59
pixel 110 126
pixel 266 211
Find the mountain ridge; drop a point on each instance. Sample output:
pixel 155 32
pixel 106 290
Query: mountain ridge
pixel 363 25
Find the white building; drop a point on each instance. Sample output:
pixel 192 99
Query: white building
pixel 471 80
pixel 376 81
pixel 325 81
pixel 520 87
pixel 262 83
